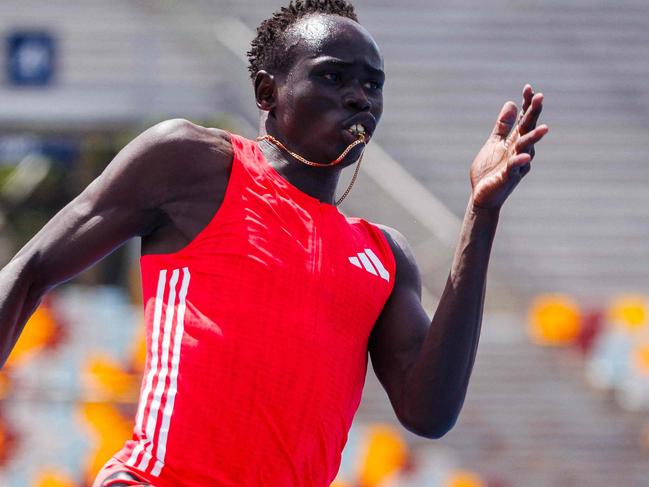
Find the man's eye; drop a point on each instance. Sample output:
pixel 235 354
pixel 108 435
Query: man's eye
pixel 372 85
pixel 333 77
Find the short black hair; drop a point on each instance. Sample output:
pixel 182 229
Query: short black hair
pixel 268 51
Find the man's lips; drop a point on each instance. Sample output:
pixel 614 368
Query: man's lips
pixel 350 137
pixel 362 123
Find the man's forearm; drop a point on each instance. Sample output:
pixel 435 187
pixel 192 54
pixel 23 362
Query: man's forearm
pixel 19 297
pixel 439 378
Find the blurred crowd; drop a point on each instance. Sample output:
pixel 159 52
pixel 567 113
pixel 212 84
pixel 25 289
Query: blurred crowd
pixel 612 339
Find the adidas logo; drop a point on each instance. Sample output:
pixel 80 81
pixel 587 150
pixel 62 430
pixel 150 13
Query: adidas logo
pixel 370 262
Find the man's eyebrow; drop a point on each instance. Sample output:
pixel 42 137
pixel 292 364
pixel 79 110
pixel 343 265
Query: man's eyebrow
pixel 342 63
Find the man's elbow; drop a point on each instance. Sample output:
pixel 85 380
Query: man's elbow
pixel 431 425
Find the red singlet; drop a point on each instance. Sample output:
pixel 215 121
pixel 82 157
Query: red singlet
pixel 257 337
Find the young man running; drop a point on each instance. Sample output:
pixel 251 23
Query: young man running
pixel 261 300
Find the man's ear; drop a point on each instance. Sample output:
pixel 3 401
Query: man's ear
pixel 265 90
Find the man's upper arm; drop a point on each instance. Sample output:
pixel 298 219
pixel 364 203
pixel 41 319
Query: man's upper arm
pixel 401 328
pixel 126 200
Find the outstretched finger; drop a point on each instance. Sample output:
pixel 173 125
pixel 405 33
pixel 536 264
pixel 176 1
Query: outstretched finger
pixel 532 114
pixel 506 120
pixel 525 144
pixel 528 93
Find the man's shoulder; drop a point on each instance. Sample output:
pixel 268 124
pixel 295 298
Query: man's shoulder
pixel 173 160
pixel 403 255
pixel 398 243
pixel 178 151
pixel 179 133
pixel 181 170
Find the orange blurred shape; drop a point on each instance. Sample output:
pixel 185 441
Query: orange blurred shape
pixel 641 358
pixel 138 355
pixel 4 440
pixel 554 319
pixel 110 378
pixel 386 453
pixel 629 312
pixel 464 479
pixel 5 384
pixel 340 483
pixel 51 478
pixel 40 330
pixel 110 430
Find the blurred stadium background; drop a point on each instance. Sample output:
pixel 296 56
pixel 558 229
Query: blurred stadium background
pixel 560 392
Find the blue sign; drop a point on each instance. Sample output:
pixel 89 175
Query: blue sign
pixel 30 58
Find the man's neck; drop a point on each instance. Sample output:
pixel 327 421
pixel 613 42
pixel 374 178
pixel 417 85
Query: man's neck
pixel 317 182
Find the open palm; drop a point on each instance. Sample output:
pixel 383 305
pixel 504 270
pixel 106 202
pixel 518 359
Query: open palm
pixel 506 155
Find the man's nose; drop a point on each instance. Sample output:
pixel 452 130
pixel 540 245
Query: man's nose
pixel 356 98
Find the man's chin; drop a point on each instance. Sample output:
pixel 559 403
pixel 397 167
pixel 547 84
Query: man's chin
pixel 353 155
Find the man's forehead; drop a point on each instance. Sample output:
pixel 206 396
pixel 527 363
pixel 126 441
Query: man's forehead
pixel 320 34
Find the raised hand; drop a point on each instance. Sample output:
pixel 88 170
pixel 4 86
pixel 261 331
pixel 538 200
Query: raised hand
pixel 506 155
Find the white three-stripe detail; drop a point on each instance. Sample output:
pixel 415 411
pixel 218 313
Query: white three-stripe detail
pixel 356 262
pixel 153 370
pixel 164 370
pixel 362 261
pixel 134 454
pixel 383 272
pixel 162 365
pixel 366 263
pixel 173 377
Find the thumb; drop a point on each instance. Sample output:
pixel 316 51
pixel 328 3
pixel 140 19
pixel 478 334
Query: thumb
pixel 506 120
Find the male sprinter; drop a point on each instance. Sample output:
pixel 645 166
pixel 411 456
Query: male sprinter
pixel 261 299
